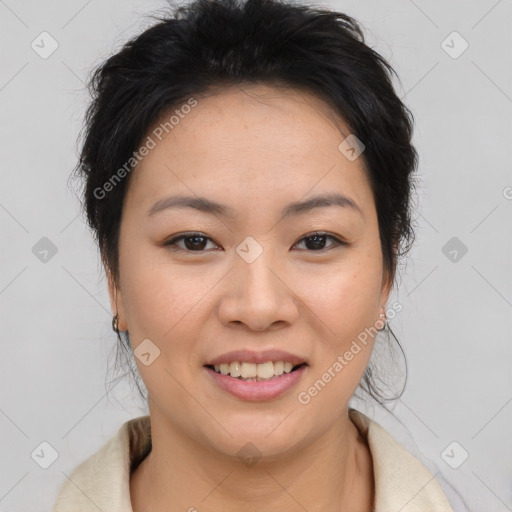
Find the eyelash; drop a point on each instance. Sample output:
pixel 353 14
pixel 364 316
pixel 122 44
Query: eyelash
pixel 172 241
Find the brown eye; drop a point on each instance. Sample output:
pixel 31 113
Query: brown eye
pixel 193 242
pixel 316 242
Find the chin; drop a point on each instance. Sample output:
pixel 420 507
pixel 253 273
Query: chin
pixel 270 439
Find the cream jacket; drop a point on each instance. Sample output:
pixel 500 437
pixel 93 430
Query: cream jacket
pixel 102 482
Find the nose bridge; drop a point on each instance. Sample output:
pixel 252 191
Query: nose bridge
pixel 256 269
pixel 258 296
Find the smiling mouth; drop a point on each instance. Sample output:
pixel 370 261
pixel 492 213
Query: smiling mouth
pixel 252 372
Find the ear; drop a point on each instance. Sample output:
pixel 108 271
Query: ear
pixel 116 301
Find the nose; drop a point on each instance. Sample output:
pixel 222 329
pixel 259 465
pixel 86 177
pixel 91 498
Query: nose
pixel 258 296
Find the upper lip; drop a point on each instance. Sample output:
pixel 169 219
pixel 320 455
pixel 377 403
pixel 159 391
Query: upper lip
pixel 249 356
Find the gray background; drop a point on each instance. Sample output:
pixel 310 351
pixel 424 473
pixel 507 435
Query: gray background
pixel 456 325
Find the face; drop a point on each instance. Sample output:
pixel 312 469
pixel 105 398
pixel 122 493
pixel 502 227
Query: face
pixel 249 275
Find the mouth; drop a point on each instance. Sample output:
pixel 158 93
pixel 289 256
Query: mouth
pixel 255 372
pixel 263 380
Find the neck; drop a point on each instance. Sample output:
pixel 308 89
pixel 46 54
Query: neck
pixel 334 473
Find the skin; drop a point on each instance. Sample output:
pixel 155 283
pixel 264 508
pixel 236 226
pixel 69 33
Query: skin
pixel 198 305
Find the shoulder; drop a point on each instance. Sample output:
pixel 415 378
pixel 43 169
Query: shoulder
pixel 402 482
pixel 103 480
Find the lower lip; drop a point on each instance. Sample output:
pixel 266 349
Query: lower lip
pixel 258 391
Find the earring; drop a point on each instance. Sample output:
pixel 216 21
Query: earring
pixel 383 320
pixel 115 328
pixel 115 323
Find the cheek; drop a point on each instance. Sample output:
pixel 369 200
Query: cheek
pixel 166 309
pixel 346 298
pixel 346 308
pixel 158 298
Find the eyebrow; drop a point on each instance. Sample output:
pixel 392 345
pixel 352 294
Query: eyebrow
pixel 293 209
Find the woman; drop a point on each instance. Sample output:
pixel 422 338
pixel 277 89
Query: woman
pixel 248 171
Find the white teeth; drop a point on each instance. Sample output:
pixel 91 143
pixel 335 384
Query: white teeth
pixel 265 370
pixel 278 368
pixel 235 369
pixel 253 371
pixel 248 370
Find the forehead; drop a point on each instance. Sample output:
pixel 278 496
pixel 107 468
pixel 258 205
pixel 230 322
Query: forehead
pixel 251 142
